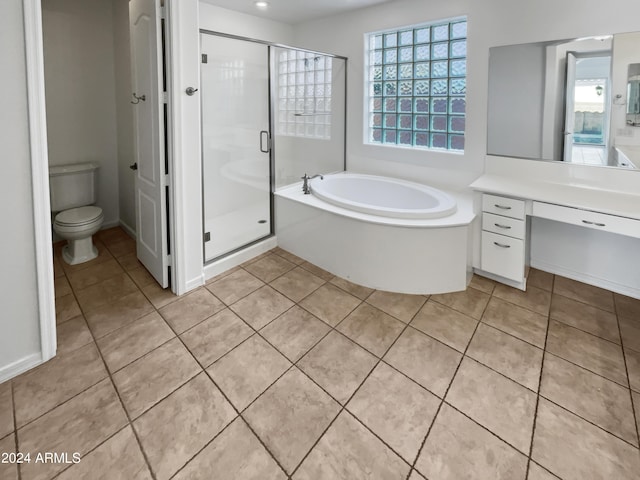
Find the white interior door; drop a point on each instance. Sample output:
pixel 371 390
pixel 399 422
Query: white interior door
pixel 569 112
pixel 235 143
pixel 148 114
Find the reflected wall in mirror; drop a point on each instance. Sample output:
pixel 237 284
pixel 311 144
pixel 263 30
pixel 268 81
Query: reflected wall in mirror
pixel 633 95
pixel 563 100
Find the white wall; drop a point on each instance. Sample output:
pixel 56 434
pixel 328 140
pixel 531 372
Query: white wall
pixel 124 114
pixel 491 23
pixel 81 91
pixel 222 20
pixel 19 322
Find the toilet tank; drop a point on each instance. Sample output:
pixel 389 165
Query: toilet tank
pixel 72 185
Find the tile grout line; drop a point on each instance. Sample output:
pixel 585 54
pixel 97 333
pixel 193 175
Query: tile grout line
pixel 203 370
pixel 15 427
pixel 294 364
pixel 56 475
pixel 591 422
pixel 538 395
pixel 583 302
pixel 124 408
pixel 227 306
pixel 586 369
pixel 536 392
pixel 408 324
pixel 380 359
pixel 585 331
pixel 109 376
pixel 343 406
pixel 444 395
pixel 636 414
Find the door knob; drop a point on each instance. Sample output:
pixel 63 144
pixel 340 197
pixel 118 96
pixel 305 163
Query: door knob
pixel 190 91
pixel 134 166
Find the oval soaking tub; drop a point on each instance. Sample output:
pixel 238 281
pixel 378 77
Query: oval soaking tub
pixel 379 232
pixel 387 197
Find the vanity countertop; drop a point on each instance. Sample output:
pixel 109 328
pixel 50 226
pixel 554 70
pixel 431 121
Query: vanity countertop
pixel 632 154
pixel 572 195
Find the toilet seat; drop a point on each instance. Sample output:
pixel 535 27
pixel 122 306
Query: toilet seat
pixel 78 217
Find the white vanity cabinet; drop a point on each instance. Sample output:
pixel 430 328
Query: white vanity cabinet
pixel 503 242
pixel 571 220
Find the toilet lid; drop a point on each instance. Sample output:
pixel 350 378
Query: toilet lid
pixel 79 216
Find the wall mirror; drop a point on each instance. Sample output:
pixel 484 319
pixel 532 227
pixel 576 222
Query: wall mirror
pixel 564 100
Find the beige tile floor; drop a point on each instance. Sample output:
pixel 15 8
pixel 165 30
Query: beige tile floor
pixel 277 369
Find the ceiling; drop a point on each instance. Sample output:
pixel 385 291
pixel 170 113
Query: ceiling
pixel 295 11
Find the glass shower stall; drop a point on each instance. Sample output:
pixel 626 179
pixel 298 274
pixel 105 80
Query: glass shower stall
pixel 270 114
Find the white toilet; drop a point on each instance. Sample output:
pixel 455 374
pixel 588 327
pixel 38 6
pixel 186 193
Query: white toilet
pixel 73 193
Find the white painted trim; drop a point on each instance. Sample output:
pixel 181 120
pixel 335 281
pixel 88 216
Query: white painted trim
pixel 174 131
pixel 114 223
pixel 195 283
pixel 40 183
pixel 235 259
pixel 182 45
pixel 588 279
pixel 20 366
pixel 130 231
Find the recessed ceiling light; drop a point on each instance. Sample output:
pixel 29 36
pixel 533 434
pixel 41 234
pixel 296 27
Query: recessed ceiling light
pixel 262 5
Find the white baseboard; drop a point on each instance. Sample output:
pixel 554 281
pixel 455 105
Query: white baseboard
pixel 113 223
pixel 130 231
pixel 194 283
pixel 235 259
pixel 588 279
pixel 20 366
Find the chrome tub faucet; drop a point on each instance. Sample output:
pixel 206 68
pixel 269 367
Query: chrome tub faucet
pixel 306 188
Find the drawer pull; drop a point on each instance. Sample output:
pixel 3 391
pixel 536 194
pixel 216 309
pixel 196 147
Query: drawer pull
pixel 593 223
pixel 502 207
pixel 505 227
pixel 501 245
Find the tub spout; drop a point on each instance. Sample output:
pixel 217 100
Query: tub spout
pixel 306 188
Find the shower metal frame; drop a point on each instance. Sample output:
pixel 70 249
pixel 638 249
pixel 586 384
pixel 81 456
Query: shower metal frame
pixel 272 143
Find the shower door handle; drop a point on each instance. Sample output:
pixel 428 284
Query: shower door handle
pixel 262 137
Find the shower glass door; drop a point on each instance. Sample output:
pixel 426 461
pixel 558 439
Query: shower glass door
pixel 235 143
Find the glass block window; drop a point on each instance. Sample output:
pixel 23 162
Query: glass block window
pixel 416 86
pixel 304 94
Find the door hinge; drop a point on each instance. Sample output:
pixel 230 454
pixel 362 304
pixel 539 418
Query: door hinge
pixel 163 12
pixel 169 260
pixel 165 97
pixel 207 236
pixel 205 58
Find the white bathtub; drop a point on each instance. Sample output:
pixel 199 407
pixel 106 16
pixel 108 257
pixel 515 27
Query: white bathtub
pixel 400 253
pixel 387 197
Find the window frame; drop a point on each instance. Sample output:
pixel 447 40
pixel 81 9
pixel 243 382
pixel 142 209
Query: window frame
pixel 403 106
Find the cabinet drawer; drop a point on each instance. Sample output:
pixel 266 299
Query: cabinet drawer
pixel 508 207
pixel 585 218
pixel 502 256
pixel 503 225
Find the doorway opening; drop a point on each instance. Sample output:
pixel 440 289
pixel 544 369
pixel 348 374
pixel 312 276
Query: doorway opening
pixel 587 109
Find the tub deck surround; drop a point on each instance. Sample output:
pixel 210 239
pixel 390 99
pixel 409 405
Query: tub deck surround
pixel 279 370
pixel 405 255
